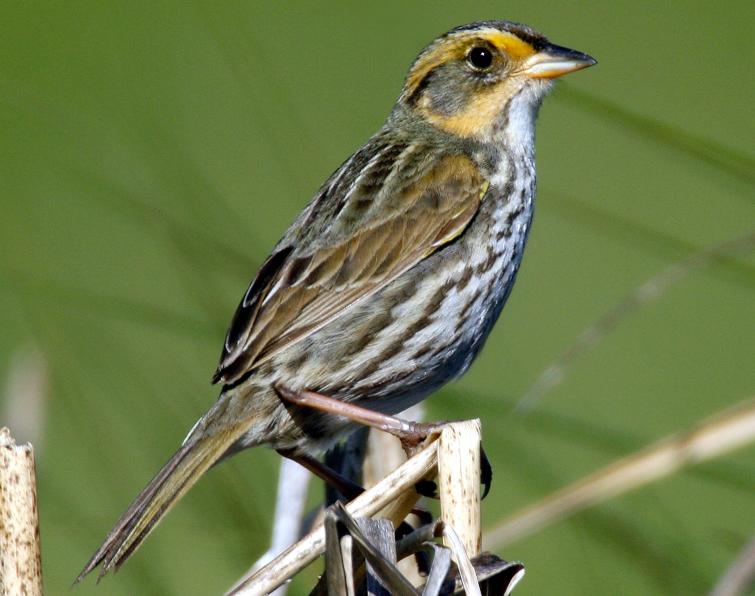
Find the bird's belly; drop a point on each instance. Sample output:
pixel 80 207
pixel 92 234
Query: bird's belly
pixel 392 361
pixel 416 334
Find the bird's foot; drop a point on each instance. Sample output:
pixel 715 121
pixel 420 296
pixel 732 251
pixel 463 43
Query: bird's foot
pixel 411 434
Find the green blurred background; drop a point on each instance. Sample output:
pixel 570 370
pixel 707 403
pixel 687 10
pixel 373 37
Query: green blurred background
pixel 152 153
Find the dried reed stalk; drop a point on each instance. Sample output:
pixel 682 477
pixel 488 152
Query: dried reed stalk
pixel 455 456
pixel 459 492
pixel 367 504
pixel 740 575
pixel 459 482
pixel 20 564
pixel 715 436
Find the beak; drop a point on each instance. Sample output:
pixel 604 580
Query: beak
pixel 553 61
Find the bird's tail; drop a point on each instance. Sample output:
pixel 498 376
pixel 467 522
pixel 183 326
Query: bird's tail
pixel 176 477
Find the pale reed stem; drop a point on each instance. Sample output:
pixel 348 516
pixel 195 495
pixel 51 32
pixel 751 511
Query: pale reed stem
pixel 20 564
pixel 311 546
pixel 715 436
pixel 740 575
pixel 459 492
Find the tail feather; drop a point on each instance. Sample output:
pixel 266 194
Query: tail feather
pixel 173 480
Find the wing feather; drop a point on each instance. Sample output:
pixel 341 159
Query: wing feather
pixel 312 278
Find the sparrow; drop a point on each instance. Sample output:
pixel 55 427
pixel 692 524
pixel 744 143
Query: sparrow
pixel 388 283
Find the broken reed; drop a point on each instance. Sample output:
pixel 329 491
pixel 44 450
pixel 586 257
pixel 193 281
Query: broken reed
pixel 453 456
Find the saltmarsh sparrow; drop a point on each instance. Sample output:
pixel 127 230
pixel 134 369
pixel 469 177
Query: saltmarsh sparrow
pixel 387 284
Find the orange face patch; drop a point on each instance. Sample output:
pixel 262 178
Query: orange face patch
pixel 476 117
pixel 482 105
pixel 510 44
pixel 455 47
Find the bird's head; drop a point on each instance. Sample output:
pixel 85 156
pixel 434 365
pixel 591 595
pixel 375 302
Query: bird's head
pixel 464 81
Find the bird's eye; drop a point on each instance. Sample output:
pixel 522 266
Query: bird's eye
pixel 480 58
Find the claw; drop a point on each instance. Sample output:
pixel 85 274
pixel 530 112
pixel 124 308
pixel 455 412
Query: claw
pixel 486 473
pixel 427 488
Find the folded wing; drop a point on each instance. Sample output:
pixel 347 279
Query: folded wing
pixel 366 227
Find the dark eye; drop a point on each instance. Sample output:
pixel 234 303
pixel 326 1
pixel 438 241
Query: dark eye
pixel 480 58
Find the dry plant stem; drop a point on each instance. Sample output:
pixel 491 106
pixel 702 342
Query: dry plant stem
pixel 459 482
pixel 724 432
pixel 338 568
pixel 377 548
pixel 20 565
pixel 290 503
pixel 311 546
pixel 380 532
pixel 384 454
pixel 466 570
pixel 402 505
pixel 740 575
pixel 438 571
pixel 411 543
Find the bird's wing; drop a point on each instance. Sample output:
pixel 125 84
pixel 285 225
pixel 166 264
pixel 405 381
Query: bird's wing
pixel 364 229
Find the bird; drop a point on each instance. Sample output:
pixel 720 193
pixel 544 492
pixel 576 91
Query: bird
pixel 389 281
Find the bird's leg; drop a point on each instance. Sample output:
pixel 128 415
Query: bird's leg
pixel 410 433
pixel 346 487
